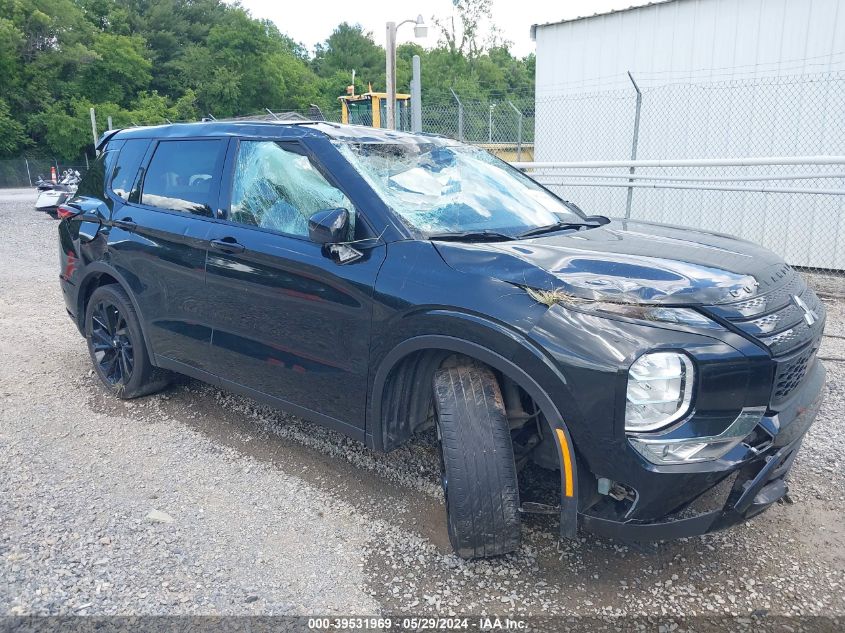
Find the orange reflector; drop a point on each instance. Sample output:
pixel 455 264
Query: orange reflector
pixel 567 463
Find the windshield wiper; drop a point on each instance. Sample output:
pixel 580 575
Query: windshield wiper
pixel 472 236
pixel 557 226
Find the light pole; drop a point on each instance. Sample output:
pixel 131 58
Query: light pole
pixel 420 30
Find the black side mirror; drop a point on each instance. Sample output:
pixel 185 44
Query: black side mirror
pixel 329 226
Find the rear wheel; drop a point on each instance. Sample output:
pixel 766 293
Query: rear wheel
pixel 477 463
pixel 116 345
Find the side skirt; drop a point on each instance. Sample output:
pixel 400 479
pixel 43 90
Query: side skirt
pixel 277 403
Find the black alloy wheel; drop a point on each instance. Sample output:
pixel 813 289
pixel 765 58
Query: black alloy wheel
pixel 112 345
pixel 117 347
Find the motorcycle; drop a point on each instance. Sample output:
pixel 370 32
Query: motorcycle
pixel 50 198
pixel 44 184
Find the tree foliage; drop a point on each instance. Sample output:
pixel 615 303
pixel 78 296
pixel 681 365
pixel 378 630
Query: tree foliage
pixel 150 61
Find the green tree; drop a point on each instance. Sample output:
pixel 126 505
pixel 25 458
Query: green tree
pixel 117 70
pixel 350 48
pixel 149 61
pixel 12 134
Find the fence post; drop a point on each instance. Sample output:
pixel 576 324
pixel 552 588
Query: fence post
pixel 28 175
pixel 634 143
pixel 94 127
pixel 460 116
pixel 518 131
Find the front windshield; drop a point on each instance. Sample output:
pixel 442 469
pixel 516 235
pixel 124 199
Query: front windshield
pixel 446 189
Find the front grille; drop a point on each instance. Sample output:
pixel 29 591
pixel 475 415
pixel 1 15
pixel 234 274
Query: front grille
pixel 775 319
pixel 790 373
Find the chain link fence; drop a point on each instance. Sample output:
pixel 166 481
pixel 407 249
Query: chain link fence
pixel 797 210
pixel 25 172
pixel 505 128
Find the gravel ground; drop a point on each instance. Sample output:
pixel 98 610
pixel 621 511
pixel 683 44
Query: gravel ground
pixel 196 501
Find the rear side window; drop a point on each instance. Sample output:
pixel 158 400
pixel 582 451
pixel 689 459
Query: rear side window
pixel 184 176
pixel 93 183
pixel 126 168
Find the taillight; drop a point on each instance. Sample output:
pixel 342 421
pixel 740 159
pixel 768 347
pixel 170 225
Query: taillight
pixel 65 212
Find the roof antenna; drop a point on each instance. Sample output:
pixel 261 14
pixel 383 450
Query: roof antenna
pixel 272 114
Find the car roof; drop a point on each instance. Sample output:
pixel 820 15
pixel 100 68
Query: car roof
pixel 276 129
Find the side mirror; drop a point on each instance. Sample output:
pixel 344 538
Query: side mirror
pixel 329 226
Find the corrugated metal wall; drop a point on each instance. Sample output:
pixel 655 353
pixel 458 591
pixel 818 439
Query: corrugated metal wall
pixel 691 40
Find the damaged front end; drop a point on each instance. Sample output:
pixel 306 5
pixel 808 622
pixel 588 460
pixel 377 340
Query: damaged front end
pixel 672 361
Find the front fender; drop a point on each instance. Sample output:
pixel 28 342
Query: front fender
pixel 515 358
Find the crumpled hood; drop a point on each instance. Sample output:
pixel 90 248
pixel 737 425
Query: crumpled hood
pixel 626 261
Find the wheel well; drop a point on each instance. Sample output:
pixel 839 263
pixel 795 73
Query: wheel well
pixel 91 284
pixel 406 398
pixel 406 401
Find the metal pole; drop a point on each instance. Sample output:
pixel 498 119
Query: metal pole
pixel 110 124
pixel 94 127
pixel 460 116
pixel 272 114
pixel 490 124
pixel 87 167
pixel 518 130
pixel 416 95
pixel 28 175
pixel 634 144
pixel 749 161
pixel 390 73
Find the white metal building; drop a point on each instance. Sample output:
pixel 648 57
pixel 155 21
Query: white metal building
pixel 719 79
pixel 694 40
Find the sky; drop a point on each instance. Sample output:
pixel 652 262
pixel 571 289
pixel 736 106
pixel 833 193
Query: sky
pixel 310 24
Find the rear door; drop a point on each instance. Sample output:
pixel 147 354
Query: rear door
pixel 289 321
pixel 159 236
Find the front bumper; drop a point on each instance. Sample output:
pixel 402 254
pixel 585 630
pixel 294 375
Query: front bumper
pixel 758 482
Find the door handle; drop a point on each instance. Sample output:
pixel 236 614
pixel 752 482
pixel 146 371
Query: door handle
pixel 126 224
pixel 227 245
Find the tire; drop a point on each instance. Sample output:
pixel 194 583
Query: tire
pixel 116 345
pixel 478 470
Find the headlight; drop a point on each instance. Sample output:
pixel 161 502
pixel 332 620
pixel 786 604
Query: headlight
pixel 659 390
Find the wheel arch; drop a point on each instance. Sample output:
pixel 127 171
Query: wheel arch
pixel 99 274
pixel 432 350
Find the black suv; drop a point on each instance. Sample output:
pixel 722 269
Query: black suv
pixel 383 283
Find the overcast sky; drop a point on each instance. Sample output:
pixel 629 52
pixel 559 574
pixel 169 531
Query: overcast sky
pixel 312 22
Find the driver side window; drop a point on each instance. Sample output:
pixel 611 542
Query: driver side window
pixel 278 188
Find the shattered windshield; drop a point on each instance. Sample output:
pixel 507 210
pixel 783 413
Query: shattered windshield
pixel 442 189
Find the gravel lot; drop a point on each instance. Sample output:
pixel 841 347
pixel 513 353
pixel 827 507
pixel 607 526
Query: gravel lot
pixel 199 501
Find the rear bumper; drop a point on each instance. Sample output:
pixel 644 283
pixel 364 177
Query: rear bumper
pixel 758 482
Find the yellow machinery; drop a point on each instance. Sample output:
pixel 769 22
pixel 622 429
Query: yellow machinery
pixel 370 109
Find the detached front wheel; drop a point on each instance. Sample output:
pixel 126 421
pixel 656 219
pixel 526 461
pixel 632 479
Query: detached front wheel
pixel 478 469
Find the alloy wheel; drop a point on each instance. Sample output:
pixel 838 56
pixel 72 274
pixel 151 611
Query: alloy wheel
pixel 111 342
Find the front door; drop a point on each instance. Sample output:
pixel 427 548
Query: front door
pixel 288 320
